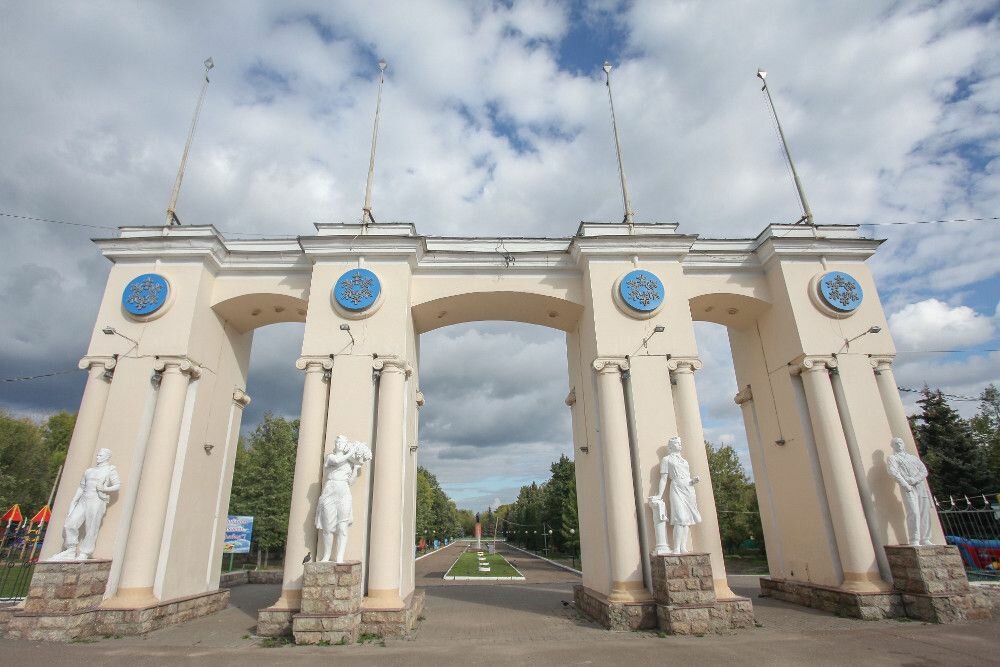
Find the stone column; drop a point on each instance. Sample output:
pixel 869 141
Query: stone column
pixel 623 532
pixel 149 515
pixel 705 535
pixel 82 446
pixel 893 404
pixel 857 555
pixel 308 480
pixel 899 425
pixel 386 551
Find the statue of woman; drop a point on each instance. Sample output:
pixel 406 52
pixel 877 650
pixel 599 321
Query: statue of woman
pixel 334 512
pixel 683 503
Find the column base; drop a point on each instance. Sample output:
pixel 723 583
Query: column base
pixel 934 588
pixel 614 615
pixel 393 622
pixel 871 606
pixel 684 591
pixel 65 603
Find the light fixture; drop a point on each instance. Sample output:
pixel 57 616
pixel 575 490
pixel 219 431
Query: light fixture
pixel 208 447
pixel 873 329
pixel 347 327
pixel 109 331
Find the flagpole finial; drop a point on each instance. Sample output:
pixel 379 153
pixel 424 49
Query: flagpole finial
pixel 807 216
pixel 628 219
pixel 366 211
pixel 172 218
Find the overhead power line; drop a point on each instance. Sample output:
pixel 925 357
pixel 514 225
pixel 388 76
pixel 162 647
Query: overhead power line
pixel 930 222
pixel 42 375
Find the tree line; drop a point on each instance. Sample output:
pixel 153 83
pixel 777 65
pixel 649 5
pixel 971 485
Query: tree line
pixel 31 455
pixel 962 455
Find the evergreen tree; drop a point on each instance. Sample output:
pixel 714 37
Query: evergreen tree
pixel 956 465
pixel 986 432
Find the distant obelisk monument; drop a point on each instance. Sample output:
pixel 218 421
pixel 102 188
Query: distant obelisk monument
pixel 479 533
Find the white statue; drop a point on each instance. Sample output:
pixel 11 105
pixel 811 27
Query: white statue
pixel 334 512
pixel 911 474
pixel 683 503
pixel 659 524
pixel 88 507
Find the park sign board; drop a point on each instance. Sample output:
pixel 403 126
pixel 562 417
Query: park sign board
pixel 239 531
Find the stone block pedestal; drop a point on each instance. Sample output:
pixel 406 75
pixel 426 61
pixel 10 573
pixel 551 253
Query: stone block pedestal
pixel 932 583
pixel 684 592
pixel 331 604
pixel 66 601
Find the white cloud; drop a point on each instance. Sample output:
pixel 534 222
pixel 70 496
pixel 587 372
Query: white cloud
pixel 934 325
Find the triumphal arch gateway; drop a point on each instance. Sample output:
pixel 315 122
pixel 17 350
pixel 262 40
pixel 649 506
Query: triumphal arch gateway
pixel 168 363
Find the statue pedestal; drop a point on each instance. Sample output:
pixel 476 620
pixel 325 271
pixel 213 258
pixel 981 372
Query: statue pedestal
pixel 331 604
pixel 932 582
pixel 61 602
pixel 684 592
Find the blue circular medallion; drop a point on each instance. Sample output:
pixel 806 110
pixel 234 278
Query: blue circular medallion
pixel 357 290
pixel 145 294
pixel 641 291
pixel 840 291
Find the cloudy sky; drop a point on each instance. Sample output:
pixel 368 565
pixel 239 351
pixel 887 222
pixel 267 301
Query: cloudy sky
pixel 495 123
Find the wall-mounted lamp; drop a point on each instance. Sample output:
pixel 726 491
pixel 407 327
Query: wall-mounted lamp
pixel 873 329
pixel 347 327
pixel 208 447
pixel 111 331
pixel 780 442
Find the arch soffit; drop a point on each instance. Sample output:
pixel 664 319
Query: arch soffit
pixel 257 309
pixel 510 306
pixel 737 311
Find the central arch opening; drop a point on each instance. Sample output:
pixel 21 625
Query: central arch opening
pixel 496 435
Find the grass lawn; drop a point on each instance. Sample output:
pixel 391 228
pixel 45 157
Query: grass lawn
pixel 14 581
pixel 467 565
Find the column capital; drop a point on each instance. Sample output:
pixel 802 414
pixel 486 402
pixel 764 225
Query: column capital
pixel 88 362
pixel 882 362
pixel 610 364
pixel 420 399
pixel 743 396
pixel 241 398
pixel 812 363
pixel 308 362
pixel 684 364
pixel 392 365
pixel 182 364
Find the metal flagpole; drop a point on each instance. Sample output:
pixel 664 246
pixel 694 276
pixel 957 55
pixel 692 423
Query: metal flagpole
pixel 618 148
pixel 807 216
pixel 172 218
pixel 366 211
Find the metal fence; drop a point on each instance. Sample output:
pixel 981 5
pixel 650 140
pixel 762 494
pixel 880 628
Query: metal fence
pixel 973 525
pixel 19 550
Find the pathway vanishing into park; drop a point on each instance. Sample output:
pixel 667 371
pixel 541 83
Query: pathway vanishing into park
pixel 520 622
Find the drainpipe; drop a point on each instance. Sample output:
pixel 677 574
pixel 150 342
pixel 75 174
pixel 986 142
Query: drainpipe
pixel 640 504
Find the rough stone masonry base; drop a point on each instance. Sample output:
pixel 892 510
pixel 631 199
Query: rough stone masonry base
pixel 64 599
pixel 684 592
pixel 929 584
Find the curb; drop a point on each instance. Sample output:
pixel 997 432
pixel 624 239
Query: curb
pixel 551 562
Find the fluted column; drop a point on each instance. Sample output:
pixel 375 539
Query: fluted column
pixel 850 529
pixel 705 535
pixel 385 550
pixel 619 500
pixel 82 445
pixel 149 515
pixel 308 480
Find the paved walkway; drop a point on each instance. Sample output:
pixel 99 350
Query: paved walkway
pixel 519 622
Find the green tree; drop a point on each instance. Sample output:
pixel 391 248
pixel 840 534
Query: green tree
pixel 986 433
pixel 555 496
pixel 436 513
pixel 57 433
pixel 262 479
pixel 956 465
pixel 735 497
pixel 25 477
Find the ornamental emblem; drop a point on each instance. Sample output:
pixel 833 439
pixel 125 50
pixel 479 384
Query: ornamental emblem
pixel 145 294
pixel 357 289
pixel 641 291
pixel 840 291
